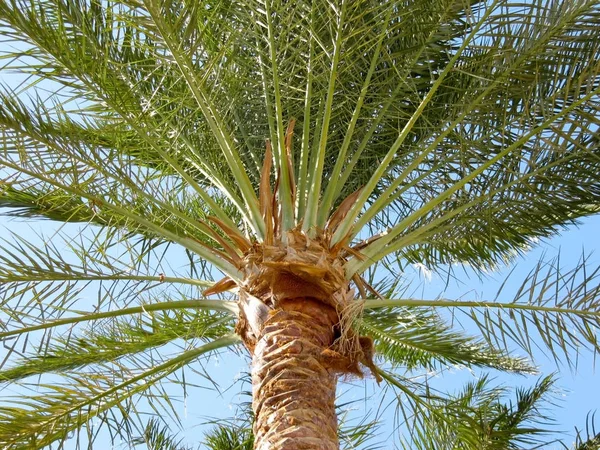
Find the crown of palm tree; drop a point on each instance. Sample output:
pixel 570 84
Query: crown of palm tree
pixel 314 145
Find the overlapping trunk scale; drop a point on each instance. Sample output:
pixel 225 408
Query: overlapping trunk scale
pixel 293 385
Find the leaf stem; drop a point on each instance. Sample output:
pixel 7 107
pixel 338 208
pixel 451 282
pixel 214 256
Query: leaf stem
pixel 445 303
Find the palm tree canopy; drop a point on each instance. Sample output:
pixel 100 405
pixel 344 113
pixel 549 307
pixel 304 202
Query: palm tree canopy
pixel 435 132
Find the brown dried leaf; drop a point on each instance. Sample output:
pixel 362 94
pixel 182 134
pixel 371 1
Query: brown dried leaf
pixel 352 251
pixel 297 268
pixel 359 284
pixel 368 352
pixel 217 253
pixel 220 286
pixel 233 255
pixel 370 288
pixel 342 211
pixel 288 152
pixel 367 241
pixel 275 207
pixel 242 243
pixel 266 196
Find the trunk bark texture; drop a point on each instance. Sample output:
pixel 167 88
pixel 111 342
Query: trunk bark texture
pixel 296 312
pixel 293 383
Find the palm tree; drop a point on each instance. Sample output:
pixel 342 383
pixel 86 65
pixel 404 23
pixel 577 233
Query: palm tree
pixel 301 153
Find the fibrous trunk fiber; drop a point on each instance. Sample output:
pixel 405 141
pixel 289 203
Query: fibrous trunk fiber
pixel 292 379
pixel 296 317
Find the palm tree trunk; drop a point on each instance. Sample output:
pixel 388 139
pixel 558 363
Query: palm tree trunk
pixel 293 385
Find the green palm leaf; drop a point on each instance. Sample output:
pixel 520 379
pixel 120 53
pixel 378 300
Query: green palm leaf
pixel 554 308
pixel 110 342
pixel 40 420
pixel 416 338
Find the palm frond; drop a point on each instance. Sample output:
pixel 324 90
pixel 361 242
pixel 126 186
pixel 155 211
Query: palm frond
pixel 480 418
pixel 119 115
pixel 363 432
pixel 590 440
pixel 166 32
pixel 224 437
pixel 108 341
pixel 553 308
pixel 90 178
pixel 415 338
pixel 45 291
pixel 40 420
pixel 500 178
pixel 158 437
pixel 95 257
